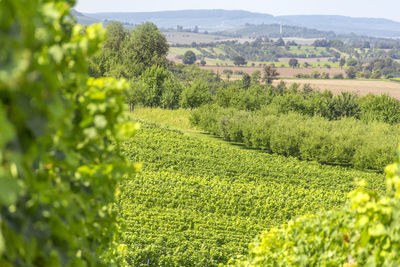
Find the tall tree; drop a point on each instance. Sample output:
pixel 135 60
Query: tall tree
pixel 342 62
pixel 238 61
pixel 145 47
pixel 116 34
pixel 293 63
pixel 246 80
pixel 270 74
pixel 189 58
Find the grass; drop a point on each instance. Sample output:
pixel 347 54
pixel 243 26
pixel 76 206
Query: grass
pixel 178 119
pixel 318 51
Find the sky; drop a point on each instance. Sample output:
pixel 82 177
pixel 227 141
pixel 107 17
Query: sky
pixel 355 8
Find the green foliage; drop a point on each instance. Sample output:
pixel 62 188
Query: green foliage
pixel 195 95
pixel 246 80
pixel 189 58
pixel 156 87
pixel 351 73
pixel 364 233
pixel 238 61
pixel 380 108
pixel 199 200
pixel 59 141
pixel 351 62
pixel 128 53
pixel 145 47
pixel 346 142
pixel 293 63
pixel 270 74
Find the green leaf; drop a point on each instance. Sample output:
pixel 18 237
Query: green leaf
pixel 8 189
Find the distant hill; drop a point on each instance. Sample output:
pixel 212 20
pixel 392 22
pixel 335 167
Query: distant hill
pixel 210 20
pixel 274 31
pixel 82 19
pixel 342 24
pixel 222 20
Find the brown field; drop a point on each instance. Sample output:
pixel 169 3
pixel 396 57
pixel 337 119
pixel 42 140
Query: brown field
pixel 359 87
pixel 283 72
pixel 302 60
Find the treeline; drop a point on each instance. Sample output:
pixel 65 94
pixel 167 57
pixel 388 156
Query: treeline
pixel 308 102
pixel 375 69
pixel 262 49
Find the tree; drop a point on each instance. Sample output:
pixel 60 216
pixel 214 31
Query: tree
pixel 256 77
pixel 351 73
pixel 189 58
pixel 280 42
pixel 270 74
pixel 171 93
pixel 342 62
pixel 146 46
pixel 203 62
pixel 238 61
pixel 351 62
pixel 151 86
pixel 195 95
pixel 246 80
pixel 116 35
pixel 293 62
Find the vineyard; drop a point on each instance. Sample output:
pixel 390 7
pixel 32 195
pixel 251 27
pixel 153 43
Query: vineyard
pixel 198 201
pixel 202 171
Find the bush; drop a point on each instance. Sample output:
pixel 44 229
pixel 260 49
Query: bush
pixel 380 108
pixel 59 141
pixel 364 232
pixel 238 72
pixel 226 71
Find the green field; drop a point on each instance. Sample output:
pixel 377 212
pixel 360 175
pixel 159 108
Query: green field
pixel 314 56
pixel 199 200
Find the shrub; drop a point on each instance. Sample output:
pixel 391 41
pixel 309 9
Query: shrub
pixel 238 72
pixel 380 108
pixel 59 141
pixel 226 71
pixel 364 232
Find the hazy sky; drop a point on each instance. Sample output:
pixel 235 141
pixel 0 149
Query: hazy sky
pixel 356 8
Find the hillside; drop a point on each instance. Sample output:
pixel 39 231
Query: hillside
pixel 220 20
pixel 273 30
pixel 199 200
pixel 82 19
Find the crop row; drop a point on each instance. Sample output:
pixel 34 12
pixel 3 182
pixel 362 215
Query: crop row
pixel 198 201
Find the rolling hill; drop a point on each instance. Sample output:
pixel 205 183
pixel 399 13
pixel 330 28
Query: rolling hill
pixel 221 20
pixel 82 19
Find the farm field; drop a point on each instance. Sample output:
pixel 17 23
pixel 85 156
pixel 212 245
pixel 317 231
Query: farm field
pixel 198 200
pixel 359 87
pixel 189 37
pixel 284 72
